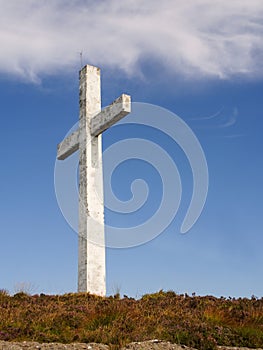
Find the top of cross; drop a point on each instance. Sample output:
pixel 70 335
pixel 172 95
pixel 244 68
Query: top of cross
pixel 98 122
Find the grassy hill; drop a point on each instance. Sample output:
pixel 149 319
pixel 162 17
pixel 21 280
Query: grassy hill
pixel 200 322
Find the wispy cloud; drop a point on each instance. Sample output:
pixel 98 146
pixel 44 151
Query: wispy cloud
pixel 223 123
pixel 231 119
pixel 212 116
pixel 221 119
pixel 194 38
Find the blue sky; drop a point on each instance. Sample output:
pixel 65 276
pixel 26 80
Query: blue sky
pixel 198 64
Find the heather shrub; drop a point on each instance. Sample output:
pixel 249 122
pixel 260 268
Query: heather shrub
pixel 200 322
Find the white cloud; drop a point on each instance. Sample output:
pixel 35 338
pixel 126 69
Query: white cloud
pixel 194 38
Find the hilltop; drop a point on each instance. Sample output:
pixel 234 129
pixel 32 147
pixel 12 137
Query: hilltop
pixel 193 321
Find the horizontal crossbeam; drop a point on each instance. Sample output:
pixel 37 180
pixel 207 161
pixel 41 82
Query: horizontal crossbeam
pixel 110 115
pixel 68 146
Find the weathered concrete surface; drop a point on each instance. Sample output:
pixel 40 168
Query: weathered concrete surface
pixel 68 146
pixel 91 266
pixel 110 115
pixel 88 139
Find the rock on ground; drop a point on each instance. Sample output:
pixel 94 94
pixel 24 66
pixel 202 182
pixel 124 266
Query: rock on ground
pixel 146 345
pixel 25 345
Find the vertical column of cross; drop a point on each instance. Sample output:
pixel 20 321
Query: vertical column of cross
pixel 91 264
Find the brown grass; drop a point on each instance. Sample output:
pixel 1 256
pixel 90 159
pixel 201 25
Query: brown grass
pixel 200 322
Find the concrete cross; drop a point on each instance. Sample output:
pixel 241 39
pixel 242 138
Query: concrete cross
pixel 87 139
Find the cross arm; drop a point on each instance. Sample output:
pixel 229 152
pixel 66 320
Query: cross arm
pixel 68 146
pixel 110 115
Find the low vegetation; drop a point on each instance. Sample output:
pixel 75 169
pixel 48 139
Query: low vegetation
pixel 200 322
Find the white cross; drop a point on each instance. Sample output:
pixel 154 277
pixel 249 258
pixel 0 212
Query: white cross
pixel 87 139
